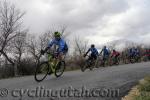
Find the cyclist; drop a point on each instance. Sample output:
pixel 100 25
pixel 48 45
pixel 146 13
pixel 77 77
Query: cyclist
pixel 106 54
pixel 148 53
pixel 62 46
pixel 131 53
pixel 137 52
pixel 115 54
pixel 94 53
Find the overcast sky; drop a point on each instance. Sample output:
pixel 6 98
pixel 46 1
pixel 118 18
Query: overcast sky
pixel 100 21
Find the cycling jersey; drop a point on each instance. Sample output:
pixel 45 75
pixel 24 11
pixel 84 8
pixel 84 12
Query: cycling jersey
pixel 134 52
pixel 137 52
pixel 105 52
pixel 147 52
pixel 93 51
pixel 115 54
pixel 131 52
pixel 62 46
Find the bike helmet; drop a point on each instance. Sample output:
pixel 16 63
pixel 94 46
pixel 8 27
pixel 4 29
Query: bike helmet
pixel 57 34
pixel 92 45
pixel 114 50
pixel 104 47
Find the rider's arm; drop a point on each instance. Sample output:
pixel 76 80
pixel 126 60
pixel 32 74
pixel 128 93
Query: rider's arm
pixel 49 45
pixel 97 52
pixel 101 52
pixel 87 52
pixel 112 54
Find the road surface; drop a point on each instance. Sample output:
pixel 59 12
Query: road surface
pixel 109 83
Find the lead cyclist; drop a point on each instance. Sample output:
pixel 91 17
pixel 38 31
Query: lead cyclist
pixel 62 46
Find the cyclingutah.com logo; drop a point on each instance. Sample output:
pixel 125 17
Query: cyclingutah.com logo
pixel 3 92
pixel 40 91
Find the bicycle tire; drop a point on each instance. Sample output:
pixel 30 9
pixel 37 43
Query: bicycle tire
pixel 84 66
pixel 97 63
pixel 38 68
pixel 62 65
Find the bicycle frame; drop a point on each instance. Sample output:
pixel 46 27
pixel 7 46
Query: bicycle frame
pixel 52 61
pixel 49 67
pixel 99 61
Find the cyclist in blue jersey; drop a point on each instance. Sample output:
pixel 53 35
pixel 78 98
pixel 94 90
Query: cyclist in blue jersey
pixel 94 53
pixel 132 53
pixel 106 53
pixel 137 52
pixel 62 46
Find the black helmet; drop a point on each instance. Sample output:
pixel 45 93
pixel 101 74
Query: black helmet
pixel 92 45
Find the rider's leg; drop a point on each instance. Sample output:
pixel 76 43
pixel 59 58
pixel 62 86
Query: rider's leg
pixel 104 60
pixel 61 57
pixel 94 57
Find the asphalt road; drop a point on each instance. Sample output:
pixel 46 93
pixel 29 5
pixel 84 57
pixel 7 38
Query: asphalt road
pixel 109 83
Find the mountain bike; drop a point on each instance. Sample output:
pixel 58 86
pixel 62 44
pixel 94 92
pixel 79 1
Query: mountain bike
pixel 53 65
pixel 99 61
pixel 114 61
pixel 88 64
pixel 134 59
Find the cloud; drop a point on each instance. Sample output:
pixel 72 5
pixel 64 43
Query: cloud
pixel 133 24
pixel 99 21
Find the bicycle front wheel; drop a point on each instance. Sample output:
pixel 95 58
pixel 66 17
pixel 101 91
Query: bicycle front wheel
pixel 84 66
pixel 41 71
pixel 60 68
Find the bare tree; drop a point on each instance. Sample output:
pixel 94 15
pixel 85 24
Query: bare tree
pixel 62 29
pixel 112 45
pixel 18 49
pixel 44 39
pixel 36 44
pixel 33 47
pixel 80 46
pixel 19 45
pixel 64 32
pixel 10 23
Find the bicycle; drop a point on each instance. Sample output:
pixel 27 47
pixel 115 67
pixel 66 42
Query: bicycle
pixel 114 61
pixel 133 59
pixel 53 65
pixel 102 61
pixel 88 64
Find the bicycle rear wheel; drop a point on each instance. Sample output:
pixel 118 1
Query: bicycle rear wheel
pixel 41 71
pixel 132 60
pixel 84 66
pixel 97 63
pixel 60 68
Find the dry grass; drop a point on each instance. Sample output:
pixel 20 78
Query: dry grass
pixel 141 91
pixel 132 94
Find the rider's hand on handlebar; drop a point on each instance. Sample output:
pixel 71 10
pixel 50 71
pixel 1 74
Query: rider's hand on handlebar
pixel 84 55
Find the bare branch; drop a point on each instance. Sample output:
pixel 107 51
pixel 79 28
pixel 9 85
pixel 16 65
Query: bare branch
pixel 10 24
